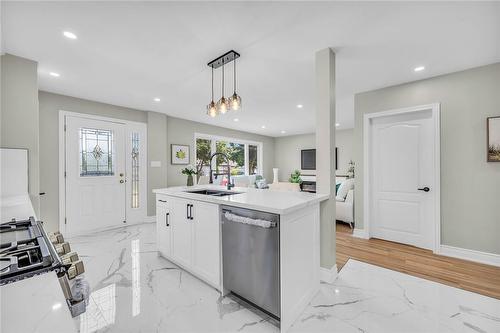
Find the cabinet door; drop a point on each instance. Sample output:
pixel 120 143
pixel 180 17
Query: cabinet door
pixel 163 234
pixel 206 241
pixel 181 231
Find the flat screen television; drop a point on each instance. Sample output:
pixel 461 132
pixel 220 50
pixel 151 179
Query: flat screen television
pixel 308 159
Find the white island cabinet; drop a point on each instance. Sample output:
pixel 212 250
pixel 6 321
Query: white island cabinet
pixel 189 234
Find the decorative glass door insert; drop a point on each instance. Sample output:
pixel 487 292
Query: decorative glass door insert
pixel 96 152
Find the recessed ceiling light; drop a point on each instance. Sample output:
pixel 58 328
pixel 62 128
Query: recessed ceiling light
pixel 236 119
pixel 54 74
pixel 419 68
pixel 263 126
pixel 283 132
pixel 69 35
pixel 300 106
pixel 156 99
pixel 337 124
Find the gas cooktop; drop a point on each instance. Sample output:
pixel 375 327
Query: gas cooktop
pixel 25 251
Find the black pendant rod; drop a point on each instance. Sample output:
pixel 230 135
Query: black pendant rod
pixel 224 59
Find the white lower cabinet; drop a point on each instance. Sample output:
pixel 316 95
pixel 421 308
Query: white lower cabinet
pixel 206 241
pixel 194 237
pixel 163 226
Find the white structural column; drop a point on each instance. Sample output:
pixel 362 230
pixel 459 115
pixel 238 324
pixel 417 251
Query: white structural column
pixel 325 157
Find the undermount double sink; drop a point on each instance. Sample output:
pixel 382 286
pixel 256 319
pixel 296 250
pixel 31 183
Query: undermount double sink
pixel 213 193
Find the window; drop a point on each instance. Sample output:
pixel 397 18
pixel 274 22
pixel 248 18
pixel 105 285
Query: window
pixel 135 170
pixel 244 156
pixel 236 154
pixel 96 152
pixel 203 153
pixel 252 159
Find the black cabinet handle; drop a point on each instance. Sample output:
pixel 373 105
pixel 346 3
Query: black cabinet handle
pixel 41 193
pixel 187 211
pixel 191 212
pixel 162 200
pixel 166 219
pixel 425 189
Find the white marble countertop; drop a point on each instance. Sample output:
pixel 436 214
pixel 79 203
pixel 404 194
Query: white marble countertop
pixel 277 202
pixel 36 304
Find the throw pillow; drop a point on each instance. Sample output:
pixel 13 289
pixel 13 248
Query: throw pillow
pixel 344 188
pixel 337 188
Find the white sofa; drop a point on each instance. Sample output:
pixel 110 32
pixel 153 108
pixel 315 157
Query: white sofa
pixel 345 200
pixel 345 209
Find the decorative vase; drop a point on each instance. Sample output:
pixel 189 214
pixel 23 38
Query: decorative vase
pixel 190 180
pixel 275 175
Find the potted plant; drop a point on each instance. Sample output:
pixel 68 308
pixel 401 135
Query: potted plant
pixel 189 171
pixel 350 170
pixel 295 177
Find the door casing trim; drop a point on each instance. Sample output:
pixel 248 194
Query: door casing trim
pixel 435 109
pixel 62 156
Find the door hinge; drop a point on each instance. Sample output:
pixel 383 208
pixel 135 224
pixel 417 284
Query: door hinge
pixel 65 220
pixel 64 127
pixel 64 174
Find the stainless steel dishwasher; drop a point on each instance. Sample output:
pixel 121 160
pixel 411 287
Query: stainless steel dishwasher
pixel 251 256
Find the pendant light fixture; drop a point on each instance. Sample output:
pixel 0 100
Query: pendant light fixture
pixel 211 108
pixel 235 100
pixel 224 104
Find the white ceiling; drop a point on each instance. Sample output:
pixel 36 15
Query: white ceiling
pixel 128 53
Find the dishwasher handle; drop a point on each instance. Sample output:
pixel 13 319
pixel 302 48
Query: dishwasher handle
pixel 247 220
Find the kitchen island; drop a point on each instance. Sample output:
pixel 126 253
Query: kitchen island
pixel 190 234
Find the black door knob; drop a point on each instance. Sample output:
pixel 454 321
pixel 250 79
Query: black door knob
pixel 425 189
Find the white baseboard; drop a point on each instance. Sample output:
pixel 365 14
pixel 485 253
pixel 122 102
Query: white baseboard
pixel 360 233
pixel 150 219
pixel 472 255
pixel 328 275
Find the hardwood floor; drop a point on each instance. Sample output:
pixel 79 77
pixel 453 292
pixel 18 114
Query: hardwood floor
pixel 468 275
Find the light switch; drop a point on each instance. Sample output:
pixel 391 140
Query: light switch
pixel 156 164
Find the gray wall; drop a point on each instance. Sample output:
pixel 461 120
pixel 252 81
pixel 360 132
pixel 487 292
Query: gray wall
pixel 470 186
pixel 157 151
pixel 181 131
pixel 19 114
pixel 344 143
pixel 287 152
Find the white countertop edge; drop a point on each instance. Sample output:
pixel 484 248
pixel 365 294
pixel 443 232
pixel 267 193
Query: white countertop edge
pixel 181 192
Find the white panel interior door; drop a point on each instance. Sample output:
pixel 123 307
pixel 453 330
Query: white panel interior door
pixel 402 177
pixel 95 174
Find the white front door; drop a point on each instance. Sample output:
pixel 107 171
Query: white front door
pixel 95 174
pixel 402 179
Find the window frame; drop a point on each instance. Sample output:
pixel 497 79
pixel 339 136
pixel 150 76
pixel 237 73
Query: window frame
pixel 214 138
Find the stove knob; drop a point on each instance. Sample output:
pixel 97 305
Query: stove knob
pixel 56 238
pixel 69 258
pixel 62 248
pixel 75 269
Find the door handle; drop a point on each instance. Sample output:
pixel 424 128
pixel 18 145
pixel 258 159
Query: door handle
pixel 162 200
pixel 187 211
pixel 191 212
pixel 425 189
pixel 166 219
pixel 122 181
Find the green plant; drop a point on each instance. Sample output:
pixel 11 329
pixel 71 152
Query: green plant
pixel 295 177
pixel 189 170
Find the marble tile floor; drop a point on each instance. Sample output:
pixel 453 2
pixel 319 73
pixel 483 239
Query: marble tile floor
pixel 135 290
